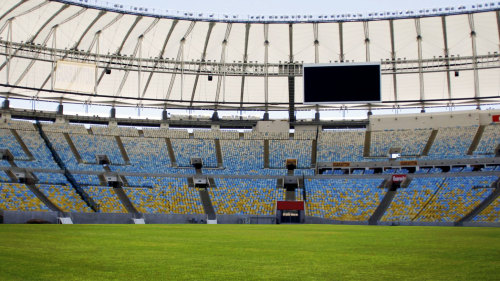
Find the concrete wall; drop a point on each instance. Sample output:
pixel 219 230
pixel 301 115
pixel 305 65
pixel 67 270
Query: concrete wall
pixel 14 217
pixel 431 120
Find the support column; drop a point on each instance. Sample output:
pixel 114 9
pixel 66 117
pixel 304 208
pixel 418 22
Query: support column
pixel 446 55
pixel 420 71
pixel 291 78
pixel 474 56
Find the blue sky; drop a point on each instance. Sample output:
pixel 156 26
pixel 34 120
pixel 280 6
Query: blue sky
pixel 269 7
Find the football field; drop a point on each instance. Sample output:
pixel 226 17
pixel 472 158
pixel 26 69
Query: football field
pixel 247 252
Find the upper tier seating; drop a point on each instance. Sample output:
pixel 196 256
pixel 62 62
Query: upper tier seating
pixel 410 200
pixel 65 197
pixel 89 146
pixel 216 134
pixel 17 125
pixel 147 155
pixel 304 135
pixel 165 133
pixel 115 131
pixel 17 197
pixel 63 149
pixel 4 177
pixel 280 150
pixel 42 158
pixel 244 196
pixel 51 178
pixel 106 199
pixel 184 150
pixel 253 135
pixel 489 140
pixel 456 198
pixel 166 196
pixel 341 146
pixel 452 142
pixel 343 199
pixel 9 141
pixel 243 155
pixel 64 128
pixel 411 142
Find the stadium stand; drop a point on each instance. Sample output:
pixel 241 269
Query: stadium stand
pixel 280 150
pixel 456 197
pixel 64 197
pixel 146 155
pixel 41 154
pixel 410 200
pixel 9 141
pixel 343 199
pixel 91 145
pixel 244 196
pixel 194 148
pixel 17 197
pixel 165 133
pixel 245 156
pixel 489 140
pixel 411 142
pixel 166 196
pixel 115 131
pixel 342 145
pixel 106 199
pixel 452 142
pixel 51 178
pixel 216 134
pixel 490 213
pixel 4 177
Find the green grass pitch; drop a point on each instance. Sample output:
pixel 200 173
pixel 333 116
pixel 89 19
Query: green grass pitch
pixel 247 252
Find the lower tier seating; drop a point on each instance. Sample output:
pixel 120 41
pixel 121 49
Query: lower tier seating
pixel 106 199
pixel 17 197
pixel 245 196
pixel 490 213
pixel 165 196
pixel 65 197
pixel 343 199
pixel 456 197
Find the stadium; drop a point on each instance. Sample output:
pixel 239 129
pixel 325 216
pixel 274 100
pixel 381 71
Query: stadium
pixel 237 128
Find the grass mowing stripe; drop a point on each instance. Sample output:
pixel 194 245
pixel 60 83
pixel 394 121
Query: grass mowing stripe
pixel 247 252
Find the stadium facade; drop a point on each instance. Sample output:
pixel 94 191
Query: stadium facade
pixel 427 168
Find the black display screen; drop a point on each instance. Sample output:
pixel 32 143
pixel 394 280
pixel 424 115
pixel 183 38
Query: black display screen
pixel 342 83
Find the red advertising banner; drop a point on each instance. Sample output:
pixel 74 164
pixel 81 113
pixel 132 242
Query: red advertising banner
pixel 290 205
pixel 495 118
pixel 398 178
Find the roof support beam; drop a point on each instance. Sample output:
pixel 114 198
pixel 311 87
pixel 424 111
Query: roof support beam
pixel 179 58
pixel 203 56
pixel 134 54
pixel 474 55
pixel 393 57
pixel 12 9
pixel 137 20
pixel 32 39
pixel 291 78
pixel 420 72
pixel 245 60
pixel 367 40
pixel 498 27
pixel 266 61
pixel 446 55
pixel 316 42
pixel 76 45
pixel 223 63
pixel 52 32
pixel 160 56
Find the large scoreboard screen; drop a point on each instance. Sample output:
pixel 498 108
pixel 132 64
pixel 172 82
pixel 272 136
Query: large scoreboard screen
pixel 342 83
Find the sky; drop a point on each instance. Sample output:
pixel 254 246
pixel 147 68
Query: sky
pixel 270 7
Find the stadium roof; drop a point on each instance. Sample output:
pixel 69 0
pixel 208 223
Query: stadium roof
pixel 97 53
